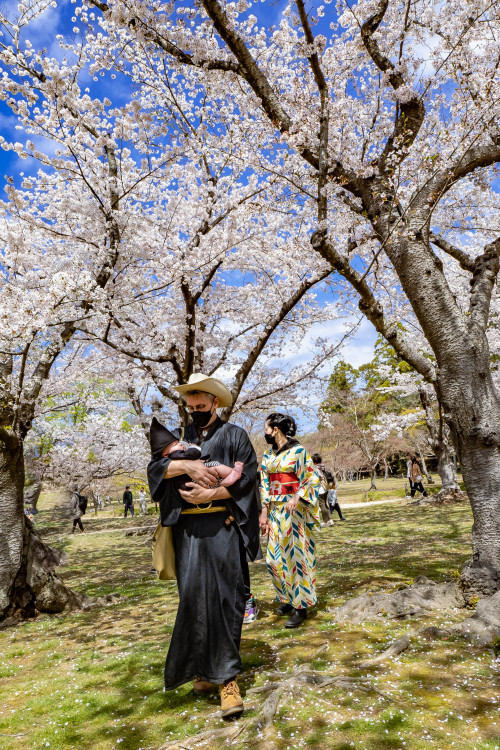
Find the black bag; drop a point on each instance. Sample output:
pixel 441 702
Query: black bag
pixel 82 503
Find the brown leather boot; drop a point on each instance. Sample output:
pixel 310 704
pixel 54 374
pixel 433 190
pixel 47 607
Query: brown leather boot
pixel 230 698
pixel 201 687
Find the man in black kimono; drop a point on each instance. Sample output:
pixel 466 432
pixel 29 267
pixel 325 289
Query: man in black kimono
pixel 215 532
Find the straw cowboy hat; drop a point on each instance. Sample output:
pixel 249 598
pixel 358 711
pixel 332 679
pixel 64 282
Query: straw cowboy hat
pixel 199 382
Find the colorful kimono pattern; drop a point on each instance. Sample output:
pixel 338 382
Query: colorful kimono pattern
pixel 291 555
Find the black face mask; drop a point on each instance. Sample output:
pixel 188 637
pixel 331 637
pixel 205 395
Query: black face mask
pixel 201 418
pixel 270 440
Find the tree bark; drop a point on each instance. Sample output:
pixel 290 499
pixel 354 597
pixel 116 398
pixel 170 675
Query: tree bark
pixel 27 581
pixel 424 465
pixel 439 441
pixel 373 474
pixel 32 495
pixel 472 411
pixel 11 513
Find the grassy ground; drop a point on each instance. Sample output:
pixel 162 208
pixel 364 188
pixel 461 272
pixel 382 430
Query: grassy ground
pixel 93 680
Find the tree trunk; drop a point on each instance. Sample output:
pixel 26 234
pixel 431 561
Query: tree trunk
pixel 472 411
pixel 32 495
pixel 27 581
pixel 424 467
pixel 373 474
pixel 386 470
pixel 446 466
pixel 12 515
pixel 439 441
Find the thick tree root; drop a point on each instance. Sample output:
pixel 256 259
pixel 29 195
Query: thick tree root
pixel 482 628
pixel 422 597
pixel 141 531
pixel 38 589
pixel 396 648
pixel 447 496
pixel 282 683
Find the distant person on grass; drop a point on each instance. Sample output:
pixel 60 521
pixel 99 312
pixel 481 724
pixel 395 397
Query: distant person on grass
pixel 325 480
pixel 333 502
pixel 143 502
pixel 128 501
pixel 77 504
pixel 415 472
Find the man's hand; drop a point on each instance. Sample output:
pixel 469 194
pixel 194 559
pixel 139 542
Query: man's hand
pixel 204 475
pixel 197 494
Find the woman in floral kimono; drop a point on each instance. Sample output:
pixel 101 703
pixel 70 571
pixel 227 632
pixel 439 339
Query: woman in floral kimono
pixel 289 495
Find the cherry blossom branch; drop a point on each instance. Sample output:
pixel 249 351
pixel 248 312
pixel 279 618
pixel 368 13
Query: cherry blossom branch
pixel 466 262
pixel 183 57
pixel 410 114
pixel 285 386
pixel 383 63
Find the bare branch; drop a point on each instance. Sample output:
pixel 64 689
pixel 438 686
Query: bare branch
pixel 483 280
pixel 371 307
pixel 466 262
pixel 271 326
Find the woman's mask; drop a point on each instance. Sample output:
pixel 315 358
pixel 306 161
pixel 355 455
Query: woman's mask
pixel 270 440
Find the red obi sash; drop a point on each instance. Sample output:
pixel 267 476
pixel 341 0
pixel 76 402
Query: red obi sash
pixel 283 484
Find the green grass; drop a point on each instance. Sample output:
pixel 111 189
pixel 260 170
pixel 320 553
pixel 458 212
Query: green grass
pixel 93 680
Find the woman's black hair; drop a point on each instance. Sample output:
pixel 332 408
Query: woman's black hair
pixel 283 422
pixel 316 458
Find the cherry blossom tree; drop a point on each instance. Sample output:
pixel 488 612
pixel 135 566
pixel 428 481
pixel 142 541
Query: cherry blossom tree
pixel 130 235
pixel 216 303
pixel 390 110
pixel 86 434
pixel 61 235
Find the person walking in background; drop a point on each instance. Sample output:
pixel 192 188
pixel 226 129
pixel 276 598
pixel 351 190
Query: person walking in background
pixel 333 502
pixel 143 502
pixel 128 501
pixel 416 477
pixel 289 497
pixel 76 511
pixel 408 470
pixel 325 479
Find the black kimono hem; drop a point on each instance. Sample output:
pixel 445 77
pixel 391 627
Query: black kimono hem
pixel 206 637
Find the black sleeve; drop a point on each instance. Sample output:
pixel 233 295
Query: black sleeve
pixel 243 500
pixel 164 492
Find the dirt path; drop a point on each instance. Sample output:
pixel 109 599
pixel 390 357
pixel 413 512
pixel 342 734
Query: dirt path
pixel 374 502
pixel 125 528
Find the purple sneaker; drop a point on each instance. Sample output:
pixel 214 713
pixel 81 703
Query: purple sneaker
pixel 251 610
